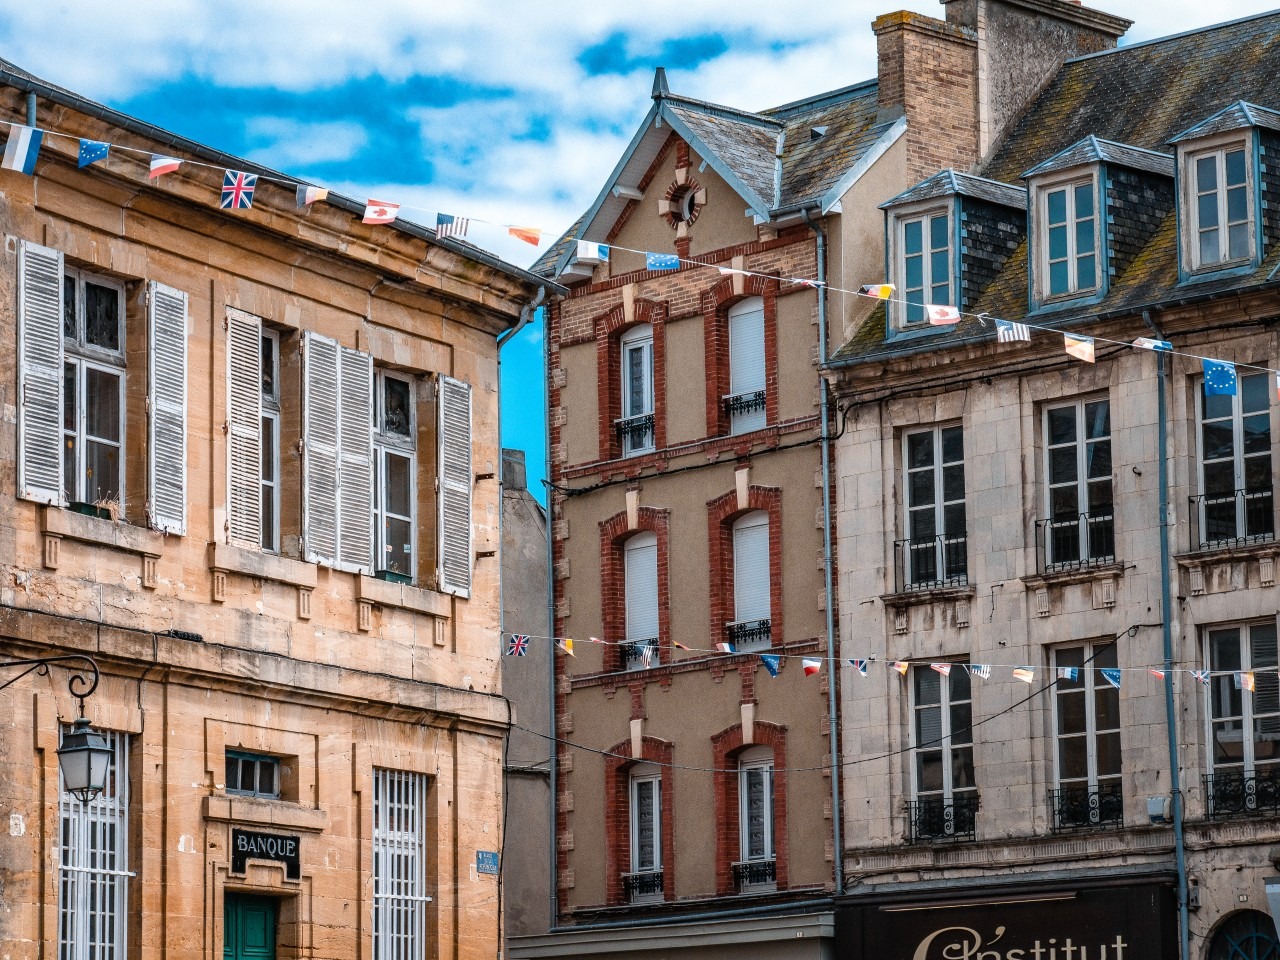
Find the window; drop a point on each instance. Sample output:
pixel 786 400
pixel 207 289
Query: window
pixel 1244 725
pixel 1220 229
pixel 1236 496
pixel 270 459
pixel 93 864
pixel 755 868
pixel 1245 935
pixel 399 865
pixel 1080 529
pixel 745 403
pixel 635 429
pixel 395 465
pixel 644 882
pixel 1087 717
pixel 935 552
pixel 946 797
pixel 93 389
pixel 640 570
pixel 751 626
pixel 1068 239
pixel 253 775
pixel 924 263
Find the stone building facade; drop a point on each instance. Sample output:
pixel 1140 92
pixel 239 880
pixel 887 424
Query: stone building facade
pixel 213 420
pixel 1097 515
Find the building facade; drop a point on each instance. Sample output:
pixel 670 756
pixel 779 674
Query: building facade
pixel 1062 616
pixel 214 421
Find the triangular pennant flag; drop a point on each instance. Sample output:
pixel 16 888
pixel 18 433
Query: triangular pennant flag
pixel 566 644
pixel 1219 377
pixel 518 645
pixel 811 665
pixel 661 261
pixel 91 151
pixel 1025 674
pixel 724 646
pixel 1146 343
pixel 1247 680
pixel 877 291
pixel 981 670
pixel 1068 673
pixel 771 662
pixel 942 668
pixel 162 165
pixel 678 645
pixel 941 314
pixel 1111 675
pixel 380 211
pixel 237 190
pixel 22 148
pixel 598 640
pixel 530 235
pixel 1010 332
pixel 901 666
pixel 309 195
pixel 1201 675
pixel 1079 347
pixel 807 283
pixel 859 665
pixel 1158 674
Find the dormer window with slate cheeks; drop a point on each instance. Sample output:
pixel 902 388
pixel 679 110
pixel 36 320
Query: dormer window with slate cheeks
pixel 1066 239
pixel 924 245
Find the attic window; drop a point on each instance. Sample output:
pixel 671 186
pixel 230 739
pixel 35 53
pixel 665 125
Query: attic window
pixel 683 202
pixel 1066 238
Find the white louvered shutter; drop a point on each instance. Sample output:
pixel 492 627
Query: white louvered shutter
pixel 455 486
pixel 746 358
pixel 355 459
pixel 751 567
pixel 320 449
pixel 167 440
pixel 40 377
pixel 244 429
pixel 640 557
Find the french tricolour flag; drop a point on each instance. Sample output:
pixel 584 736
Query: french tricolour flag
pixel 162 165
pixel 22 148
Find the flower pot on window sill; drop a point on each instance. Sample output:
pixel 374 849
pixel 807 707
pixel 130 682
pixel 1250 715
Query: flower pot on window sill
pixel 90 509
pixel 391 576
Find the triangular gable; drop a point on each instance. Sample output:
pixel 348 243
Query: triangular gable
pixel 1234 116
pixel 1095 150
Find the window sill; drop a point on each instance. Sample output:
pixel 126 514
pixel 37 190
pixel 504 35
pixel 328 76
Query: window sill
pixel 265 813
pixel 1243 551
pixel 1218 272
pixel 58 525
pixel 1087 574
pixel 913 598
pixel 261 566
pixel 384 593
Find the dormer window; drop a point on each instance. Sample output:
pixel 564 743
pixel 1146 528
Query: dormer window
pixel 924 263
pixel 1219 222
pixel 1067 238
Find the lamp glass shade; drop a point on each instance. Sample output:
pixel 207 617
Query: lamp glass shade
pixel 85 760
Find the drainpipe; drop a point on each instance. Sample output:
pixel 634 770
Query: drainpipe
pixel 828 585
pixel 31 109
pixel 554 762
pixel 1166 617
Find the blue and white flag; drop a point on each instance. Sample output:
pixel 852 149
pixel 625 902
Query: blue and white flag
pixel 1219 377
pixel 1068 673
pixel 22 148
pixel 980 670
pixel 771 662
pixel 860 666
pixel 661 261
pixel 592 252
pixel 1111 675
pixel 1146 343
pixel 1009 332
pixel 91 151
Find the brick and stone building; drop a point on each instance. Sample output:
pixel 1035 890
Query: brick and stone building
pixel 213 421
pixel 1103 518
pixel 695 804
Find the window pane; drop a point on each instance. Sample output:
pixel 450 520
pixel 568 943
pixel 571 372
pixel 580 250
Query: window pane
pixel 1062 425
pixel 1237 205
pixel 1084 201
pixel 938 232
pixel 1216 405
pixel 923 526
pixel 1207 205
pixel 953 482
pixel 1071 707
pixel 399 486
pixel 398 548
pixel 102 404
pixel 1098 459
pixel 1238 241
pixel 1062 464
pixel 268 449
pixel 920 488
pixel 1086 272
pixel 929 771
pixel 1073 758
pixel 1218 440
pixel 962 768
pixel 102 472
pixel 232 773
pixel 1235 167
pixel 268 354
pixel 267 777
pixel 101 316
pixel 1106 703
pixel 1224 650
pixel 961 717
pixel 1253 393
pixel 1064 503
pixel 69 330
pixel 1058 277
pixel 928 691
pixel 938 275
pixel 397 415
pixel 1206 173
pixel 920 449
pixel 952 445
pixel 1057 242
pixel 1209 247
pixel 915 272
pixel 1257 433
pixel 912 237
pixel 1056 203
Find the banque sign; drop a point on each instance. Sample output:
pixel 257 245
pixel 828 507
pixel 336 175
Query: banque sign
pixel 249 844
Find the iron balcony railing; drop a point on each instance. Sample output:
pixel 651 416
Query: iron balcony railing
pixel 638 654
pixel 642 887
pixel 1083 805
pixel 745 634
pixel 739 404
pixel 1232 519
pixel 931 563
pixel 1238 794
pixel 938 819
pixel 635 433
pixel 755 874
pixel 1073 543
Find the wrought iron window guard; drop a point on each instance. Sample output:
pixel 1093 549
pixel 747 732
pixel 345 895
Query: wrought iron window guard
pixel 931 563
pixel 1216 519
pixel 1083 805
pixel 743 403
pixel 635 433
pixel 1076 543
pixel 749 633
pixel 1236 794
pixel 641 887
pixel 937 819
pixel 755 874
pixel 638 654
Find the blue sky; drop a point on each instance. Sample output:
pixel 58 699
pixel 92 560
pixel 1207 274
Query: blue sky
pixel 504 111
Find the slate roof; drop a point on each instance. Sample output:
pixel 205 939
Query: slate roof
pixel 1093 150
pixel 746 142
pixel 948 183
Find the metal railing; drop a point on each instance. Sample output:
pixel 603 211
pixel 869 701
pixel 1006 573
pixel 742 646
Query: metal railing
pixel 1237 794
pixel 643 887
pixel 749 633
pixel 1074 543
pixel 931 563
pixel 755 874
pixel 635 433
pixel 738 404
pixel 1085 805
pixel 937 818
pixel 1232 519
pixel 638 654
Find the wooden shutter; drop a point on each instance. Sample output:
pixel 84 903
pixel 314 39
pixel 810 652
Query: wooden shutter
pixel 244 429
pixel 455 486
pixel 355 460
pixel 167 439
pixel 320 449
pixel 751 567
pixel 640 556
pixel 40 377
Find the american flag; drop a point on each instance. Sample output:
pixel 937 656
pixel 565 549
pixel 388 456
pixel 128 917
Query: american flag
pixel 448 225
pixel 982 670
pixel 518 645
pixel 237 190
pixel 1009 332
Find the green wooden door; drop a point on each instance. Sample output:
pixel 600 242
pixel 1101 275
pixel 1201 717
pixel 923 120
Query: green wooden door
pixel 249 932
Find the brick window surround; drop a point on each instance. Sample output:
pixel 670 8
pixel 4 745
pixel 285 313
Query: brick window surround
pixel 725 748
pixel 715 312
pixel 614 534
pixel 609 328
pixel 617 815
pixel 721 513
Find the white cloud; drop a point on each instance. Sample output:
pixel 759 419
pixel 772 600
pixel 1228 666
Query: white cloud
pixel 286 142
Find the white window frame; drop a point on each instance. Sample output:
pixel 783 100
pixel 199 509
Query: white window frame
pixel 645 774
pixel 929 283
pixel 1240 491
pixel 1083 444
pixel 386 445
pixel 755 762
pixel 941 537
pixel 945 743
pixel 1044 260
pixel 632 651
pixel 637 339
pixel 1248 717
pixel 1217 148
pixel 747 386
pixel 1090 682
pixel 93 880
pixel 271 446
pixel 399 864
pixel 744 612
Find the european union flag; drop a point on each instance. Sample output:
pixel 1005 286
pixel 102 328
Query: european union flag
pixel 91 151
pixel 661 261
pixel 771 661
pixel 1219 377
pixel 1111 675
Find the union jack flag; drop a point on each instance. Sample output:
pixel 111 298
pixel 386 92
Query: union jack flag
pixel 518 645
pixel 237 190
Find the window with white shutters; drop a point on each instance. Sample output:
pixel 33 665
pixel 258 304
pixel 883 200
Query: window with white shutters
pixel 455 486
pixel 751 605
pixel 755 805
pixel 244 430
pixel 745 403
pixel 640 566
pixel 395 466
pixel 167 397
pixel 399 865
pixel 40 419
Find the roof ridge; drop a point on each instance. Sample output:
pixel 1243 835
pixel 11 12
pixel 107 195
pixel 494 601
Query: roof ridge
pixel 1174 36
pixel 795 106
pixel 746 115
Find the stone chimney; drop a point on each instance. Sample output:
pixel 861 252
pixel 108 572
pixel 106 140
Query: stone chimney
pixel 961 82
pixel 513 470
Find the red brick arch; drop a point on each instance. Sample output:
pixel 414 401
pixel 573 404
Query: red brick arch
pixel 614 533
pixel 725 749
pixel 715 311
pixel 721 513
pixel 609 328
pixel 617 815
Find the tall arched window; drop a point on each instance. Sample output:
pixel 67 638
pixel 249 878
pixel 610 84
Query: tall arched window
pixel 754 869
pixel 1246 935
pixel 640 563
pixel 751 583
pixel 635 428
pixel 745 403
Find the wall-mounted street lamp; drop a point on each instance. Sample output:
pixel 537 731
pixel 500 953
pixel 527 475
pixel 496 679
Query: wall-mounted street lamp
pixel 85 756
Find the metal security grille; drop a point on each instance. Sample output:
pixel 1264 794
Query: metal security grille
pixel 399 865
pixel 93 867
